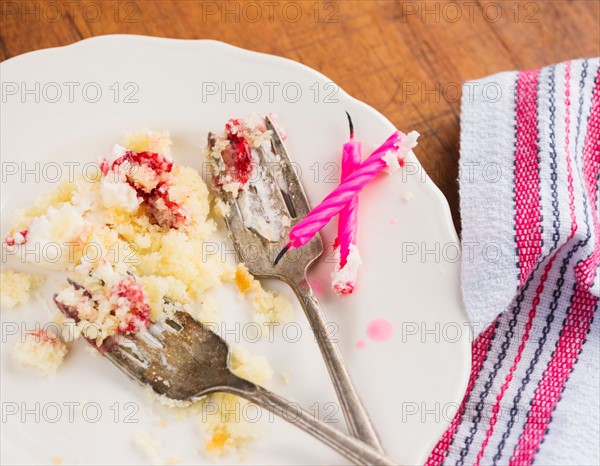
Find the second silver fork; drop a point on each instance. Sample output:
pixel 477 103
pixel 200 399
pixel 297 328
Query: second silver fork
pixel 258 254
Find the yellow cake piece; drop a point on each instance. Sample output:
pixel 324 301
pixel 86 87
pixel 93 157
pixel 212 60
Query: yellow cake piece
pixel 40 350
pixel 106 219
pixel 16 287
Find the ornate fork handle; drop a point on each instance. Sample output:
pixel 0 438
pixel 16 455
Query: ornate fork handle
pixel 357 418
pixel 351 448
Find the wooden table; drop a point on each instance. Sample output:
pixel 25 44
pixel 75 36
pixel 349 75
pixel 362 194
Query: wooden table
pixel 405 58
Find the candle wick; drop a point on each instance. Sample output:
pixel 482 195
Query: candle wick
pixel 351 125
pixel 282 253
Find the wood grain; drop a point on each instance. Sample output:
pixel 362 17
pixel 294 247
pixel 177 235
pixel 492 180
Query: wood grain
pixel 405 58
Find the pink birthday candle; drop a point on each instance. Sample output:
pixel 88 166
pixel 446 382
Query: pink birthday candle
pixel 344 275
pixel 390 155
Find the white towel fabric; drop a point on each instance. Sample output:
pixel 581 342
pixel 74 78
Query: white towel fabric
pixel 530 162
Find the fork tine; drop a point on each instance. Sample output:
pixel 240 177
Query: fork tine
pixel 270 179
pixel 128 360
pixel 151 364
pixel 248 244
pixel 234 221
pixel 296 194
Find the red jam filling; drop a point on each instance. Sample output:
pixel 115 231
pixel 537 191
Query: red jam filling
pixel 10 241
pixel 161 209
pixel 237 155
pixel 155 161
pixel 43 335
pixel 174 216
pixel 139 310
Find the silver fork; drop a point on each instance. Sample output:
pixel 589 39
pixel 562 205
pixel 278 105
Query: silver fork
pixel 258 254
pixel 183 360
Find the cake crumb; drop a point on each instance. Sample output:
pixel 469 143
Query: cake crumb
pixel 252 367
pixel 41 350
pixel 219 442
pixel 16 287
pixel 161 422
pixel 243 279
pixel 57 460
pixel 286 377
pixel 267 307
pixel 148 445
pixel 158 142
pixel 226 428
pixel 171 460
pixel 408 196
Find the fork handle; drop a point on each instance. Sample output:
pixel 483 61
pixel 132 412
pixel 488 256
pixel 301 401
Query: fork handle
pixel 351 448
pixel 357 418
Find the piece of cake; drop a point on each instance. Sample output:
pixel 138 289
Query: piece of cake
pixel 267 307
pixel 343 279
pixel 41 350
pixel 16 287
pixel 134 236
pixel 105 301
pixel 231 154
pixel 226 428
pixel 247 170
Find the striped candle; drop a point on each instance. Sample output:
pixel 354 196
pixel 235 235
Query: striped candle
pixel 390 155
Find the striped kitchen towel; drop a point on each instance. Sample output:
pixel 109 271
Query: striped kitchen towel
pixel 530 160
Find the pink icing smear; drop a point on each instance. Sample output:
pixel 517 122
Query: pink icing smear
pixel 360 344
pixel 380 330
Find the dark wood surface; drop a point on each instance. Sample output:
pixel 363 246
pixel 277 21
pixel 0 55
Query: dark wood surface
pixel 405 58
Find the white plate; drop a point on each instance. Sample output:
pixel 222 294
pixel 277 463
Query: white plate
pixel 412 383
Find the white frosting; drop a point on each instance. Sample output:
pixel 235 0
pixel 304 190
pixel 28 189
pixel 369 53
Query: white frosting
pixel 391 160
pixel 118 151
pixel 261 214
pixel 392 157
pixel 343 279
pixel 118 194
pixel 18 238
pixel 51 236
pixel 408 143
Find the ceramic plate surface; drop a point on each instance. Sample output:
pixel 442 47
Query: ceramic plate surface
pixel 63 108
